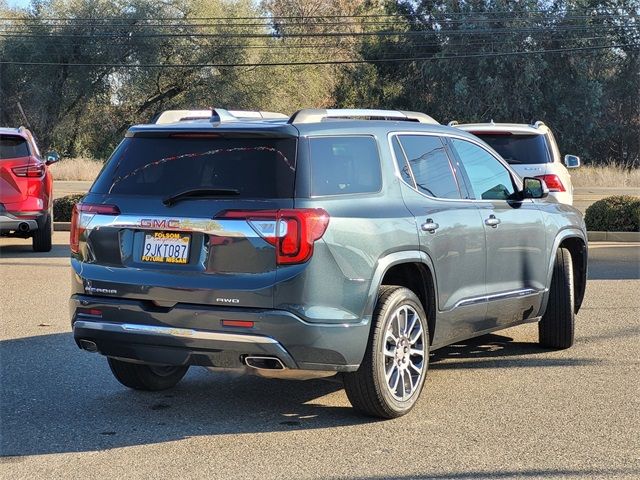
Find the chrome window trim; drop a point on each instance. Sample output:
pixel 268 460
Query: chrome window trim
pixel 172 332
pixel 514 175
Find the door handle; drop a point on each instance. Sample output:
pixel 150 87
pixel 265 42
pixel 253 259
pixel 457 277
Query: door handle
pixel 430 226
pixel 492 221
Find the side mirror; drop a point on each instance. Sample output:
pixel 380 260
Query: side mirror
pixel 51 157
pixel 534 188
pixel 571 161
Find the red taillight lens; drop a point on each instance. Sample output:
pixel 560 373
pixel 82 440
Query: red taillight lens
pixel 553 183
pixel 237 323
pixel 79 220
pixel 292 231
pixel 33 170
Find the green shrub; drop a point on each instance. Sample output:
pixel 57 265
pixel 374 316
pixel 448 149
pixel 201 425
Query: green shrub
pixel 619 213
pixel 63 206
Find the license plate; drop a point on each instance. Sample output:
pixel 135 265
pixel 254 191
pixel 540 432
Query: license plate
pixel 166 247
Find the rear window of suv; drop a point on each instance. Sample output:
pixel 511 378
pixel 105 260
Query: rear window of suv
pixel 159 166
pixel 13 146
pixel 344 165
pixel 518 149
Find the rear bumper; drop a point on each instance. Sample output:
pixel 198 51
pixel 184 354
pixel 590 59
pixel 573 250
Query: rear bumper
pixel 193 335
pixel 20 223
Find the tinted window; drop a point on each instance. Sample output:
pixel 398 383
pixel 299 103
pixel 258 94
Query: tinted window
pixel 401 160
pixel 258 168
pixel 343 165
pixel 12 146
pixel 430 166
pixel 490 180
pixel 518 149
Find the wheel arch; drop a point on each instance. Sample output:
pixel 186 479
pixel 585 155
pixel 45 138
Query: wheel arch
pixel 574 241
pixel 413 270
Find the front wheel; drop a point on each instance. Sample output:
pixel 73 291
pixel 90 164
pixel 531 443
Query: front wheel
pixel 146 377
pixel 392 373
pixel 556 329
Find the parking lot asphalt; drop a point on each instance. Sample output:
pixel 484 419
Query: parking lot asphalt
pixel 495 407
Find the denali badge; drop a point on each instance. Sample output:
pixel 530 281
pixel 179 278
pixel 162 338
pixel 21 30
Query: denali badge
pixel 228 300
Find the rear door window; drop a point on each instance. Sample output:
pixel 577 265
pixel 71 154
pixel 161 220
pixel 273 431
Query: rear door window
pixel 518 149
pixel 13 146
pixel 430 166
pixel 344 165
pixel 490 179
pixel 160 166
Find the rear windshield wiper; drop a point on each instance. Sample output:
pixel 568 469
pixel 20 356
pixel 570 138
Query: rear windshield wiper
pixel 199 193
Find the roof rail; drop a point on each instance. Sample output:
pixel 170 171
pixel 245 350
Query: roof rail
pixel 257 114
pixel 214 115
pixel 538 124
pixel 316 115
pixel 453 123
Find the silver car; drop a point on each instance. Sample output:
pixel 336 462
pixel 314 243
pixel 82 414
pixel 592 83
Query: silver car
pixel 532 151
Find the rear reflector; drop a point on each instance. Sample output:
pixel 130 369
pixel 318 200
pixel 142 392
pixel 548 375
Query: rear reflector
pixel 32 170
pixel 81 215
pixel 237 323
pixel 90 311
pixel 292 231
pixel 553 183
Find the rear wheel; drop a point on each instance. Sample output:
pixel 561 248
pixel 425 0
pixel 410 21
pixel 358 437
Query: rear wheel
pixel 146 377
pixel 556 329
pixel 392 373
pixel 41 240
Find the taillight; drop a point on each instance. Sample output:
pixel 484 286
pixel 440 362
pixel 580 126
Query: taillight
pixel 292 231
pixel 32 170
pixel 81 216
pixel 553 182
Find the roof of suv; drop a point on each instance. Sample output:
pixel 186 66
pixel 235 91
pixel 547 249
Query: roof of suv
pixel 538 128
pixel 314 121
pixel 21 131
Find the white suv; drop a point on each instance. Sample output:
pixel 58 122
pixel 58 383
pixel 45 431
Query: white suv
pixel 531 151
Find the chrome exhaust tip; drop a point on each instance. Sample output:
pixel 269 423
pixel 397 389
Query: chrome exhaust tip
pixel 88 345
pixel 264 363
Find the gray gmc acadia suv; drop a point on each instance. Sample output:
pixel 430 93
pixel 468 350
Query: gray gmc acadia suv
pixel 336 241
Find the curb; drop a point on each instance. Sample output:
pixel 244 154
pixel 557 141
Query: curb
pixel 613 236
pixel 592 236
pixel 62 226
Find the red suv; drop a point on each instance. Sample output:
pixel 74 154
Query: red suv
pixel 25 189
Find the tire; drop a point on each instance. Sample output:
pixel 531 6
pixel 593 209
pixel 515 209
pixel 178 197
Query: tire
pixel 41 240
pixel 556 329
pixel 146 377
pixel 369 389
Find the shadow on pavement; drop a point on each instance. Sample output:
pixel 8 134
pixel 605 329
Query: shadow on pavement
pixel 56 398
pixel 498 351
pixel 532 473
pixel 22 249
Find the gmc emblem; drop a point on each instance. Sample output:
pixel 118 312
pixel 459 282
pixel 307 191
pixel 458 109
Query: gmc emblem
pixel 155 223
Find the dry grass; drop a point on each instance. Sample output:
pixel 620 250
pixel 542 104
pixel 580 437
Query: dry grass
pixel 76 169
pixel 605 176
